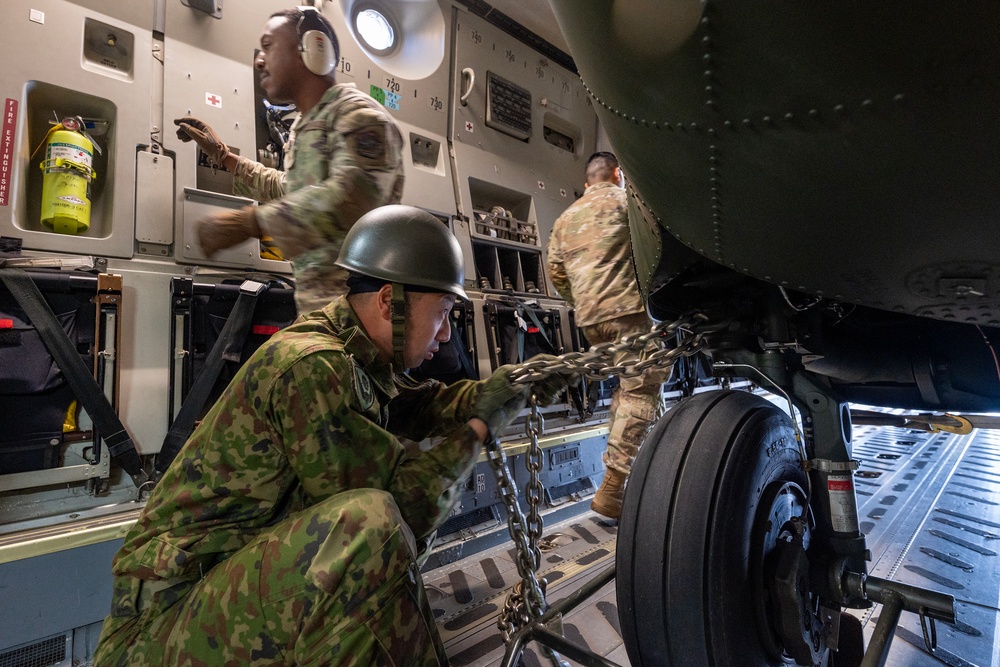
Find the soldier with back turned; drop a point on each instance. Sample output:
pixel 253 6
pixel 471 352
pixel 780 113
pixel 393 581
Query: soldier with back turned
pixel 590 263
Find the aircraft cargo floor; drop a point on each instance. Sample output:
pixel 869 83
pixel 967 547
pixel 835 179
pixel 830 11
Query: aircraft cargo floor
pixel 929 504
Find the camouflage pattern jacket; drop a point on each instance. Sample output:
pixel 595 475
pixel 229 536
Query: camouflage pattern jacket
pixel 312 413
pixel 590 256
pixel 343 158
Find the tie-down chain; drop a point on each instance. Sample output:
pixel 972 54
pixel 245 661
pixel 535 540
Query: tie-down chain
pixel 526 601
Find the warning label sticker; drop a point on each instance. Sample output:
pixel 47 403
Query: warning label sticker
pixel 843 504
pixel 7 148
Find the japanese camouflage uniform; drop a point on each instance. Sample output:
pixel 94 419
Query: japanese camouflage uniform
pixel 343 158
pixel 284 532
pixel 590 263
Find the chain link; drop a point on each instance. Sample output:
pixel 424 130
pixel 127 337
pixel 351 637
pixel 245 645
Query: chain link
pixel 647 350
pixel 527 598
pixel 534 427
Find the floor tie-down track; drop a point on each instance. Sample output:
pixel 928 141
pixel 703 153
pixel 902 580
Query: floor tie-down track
pixel 929 504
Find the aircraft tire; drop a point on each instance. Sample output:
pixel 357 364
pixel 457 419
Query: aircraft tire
pixel 702 487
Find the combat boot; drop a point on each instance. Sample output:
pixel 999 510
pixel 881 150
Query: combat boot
pixel 608 499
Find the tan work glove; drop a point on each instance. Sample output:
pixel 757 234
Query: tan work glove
pixel 189 127
pixel 224 230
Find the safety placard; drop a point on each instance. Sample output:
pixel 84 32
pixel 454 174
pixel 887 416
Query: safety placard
pixel 7 148
pixel 386 98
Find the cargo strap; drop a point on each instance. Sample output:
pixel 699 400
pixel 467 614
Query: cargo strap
pixel 575 391
pixel 520 309
pixel 398 327
pixel 463 354
pixel 83 384
pixel 228 347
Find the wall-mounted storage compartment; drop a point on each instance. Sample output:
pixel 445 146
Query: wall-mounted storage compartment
pixel 68 59
pixel 524 121
pixel 500 223
pixel 46 104
pixel 505 243
pixel 502 213
pixel 508 267
pixel 532 276
pixel 251 253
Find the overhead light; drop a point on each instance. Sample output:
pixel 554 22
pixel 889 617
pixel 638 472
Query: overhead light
pixel 376 29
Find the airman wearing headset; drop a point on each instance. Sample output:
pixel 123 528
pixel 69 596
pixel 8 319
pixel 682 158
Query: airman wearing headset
pixel 343 158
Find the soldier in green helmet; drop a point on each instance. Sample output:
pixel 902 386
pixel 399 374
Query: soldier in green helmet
pixel 286 530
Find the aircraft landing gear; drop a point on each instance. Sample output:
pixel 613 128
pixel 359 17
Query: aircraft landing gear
pixel 730 552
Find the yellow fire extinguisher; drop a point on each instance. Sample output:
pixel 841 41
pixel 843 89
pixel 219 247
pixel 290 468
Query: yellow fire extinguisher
pixel 69 172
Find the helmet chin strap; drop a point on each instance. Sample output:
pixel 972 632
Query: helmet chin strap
pixel 398 327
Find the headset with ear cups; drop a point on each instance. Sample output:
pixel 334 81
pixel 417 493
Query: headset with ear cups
pixel 315 42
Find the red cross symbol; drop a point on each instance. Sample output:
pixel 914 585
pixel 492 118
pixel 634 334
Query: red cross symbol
pixel 213 100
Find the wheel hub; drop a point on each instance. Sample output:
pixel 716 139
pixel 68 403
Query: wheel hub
pixel 787 626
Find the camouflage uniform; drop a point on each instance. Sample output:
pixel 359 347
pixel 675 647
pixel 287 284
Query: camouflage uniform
pixel 590 263
pixel 284 532
pixel 343 158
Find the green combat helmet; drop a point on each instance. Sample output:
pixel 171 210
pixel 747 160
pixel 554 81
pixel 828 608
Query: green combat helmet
pixel 404 245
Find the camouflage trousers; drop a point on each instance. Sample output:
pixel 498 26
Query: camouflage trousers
pixel 334 584
pixel 634 403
